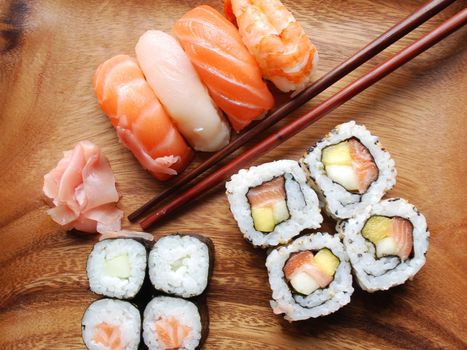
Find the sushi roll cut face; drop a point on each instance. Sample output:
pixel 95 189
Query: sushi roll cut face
pixel 307 272
pixel 172 323
pixel 310 277
pixel 391 236
pixel 350 164
pixel 116 268
pixel 110 324
pixel 272 202
pixel 386 243
pixel 180 265
pixel 349 169
pixel 268 204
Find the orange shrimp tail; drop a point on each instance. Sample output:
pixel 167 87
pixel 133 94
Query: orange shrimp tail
pixel 229 12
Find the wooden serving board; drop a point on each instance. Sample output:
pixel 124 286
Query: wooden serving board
pixel 48 53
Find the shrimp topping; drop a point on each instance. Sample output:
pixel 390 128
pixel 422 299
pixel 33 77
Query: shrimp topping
pixel 281 47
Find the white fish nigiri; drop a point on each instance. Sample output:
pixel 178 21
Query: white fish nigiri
pixel 171 75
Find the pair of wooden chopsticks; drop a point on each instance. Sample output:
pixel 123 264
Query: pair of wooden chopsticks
pixel 386 39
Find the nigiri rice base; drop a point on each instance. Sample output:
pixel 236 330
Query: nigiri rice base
pixel 322 301
pixel 112 312
pixel 184 311
pixel 179 265
pixel 373 273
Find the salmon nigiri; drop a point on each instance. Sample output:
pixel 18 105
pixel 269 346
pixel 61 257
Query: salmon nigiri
pixel 141 123
pixel 224 64
pixel 176 83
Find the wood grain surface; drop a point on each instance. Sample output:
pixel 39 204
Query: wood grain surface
pixel 48 53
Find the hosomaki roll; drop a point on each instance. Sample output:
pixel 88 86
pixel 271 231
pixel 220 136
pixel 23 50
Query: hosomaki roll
pixel 349 169
pixel 181 265
pixel 111 324
pixel 272 202
pixel 117 267
pixel 310 277
pixel 386 243
pixel 173 323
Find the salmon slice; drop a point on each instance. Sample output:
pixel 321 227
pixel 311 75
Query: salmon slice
pixel 402 232
pixel 171 332
pixel 363 164
pixel 224 64
pixel 108 336
pixel 305 262
pixel 268 193
pixel 141 122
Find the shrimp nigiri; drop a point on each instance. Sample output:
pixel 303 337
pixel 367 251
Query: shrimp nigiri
pixel 137 115
pixel 283 51
pixel 174 80
pixel 224 64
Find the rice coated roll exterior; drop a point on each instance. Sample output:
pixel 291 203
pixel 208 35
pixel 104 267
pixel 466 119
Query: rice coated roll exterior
pixel 386 243
pixel 172 323
pixel 181 264
pixel 117 267
pixel 310 277
pixel 272 202
pixel 349 169
pixel 110 324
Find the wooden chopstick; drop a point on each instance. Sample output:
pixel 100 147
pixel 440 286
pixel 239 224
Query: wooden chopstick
pixel 300 123
pixel 376 46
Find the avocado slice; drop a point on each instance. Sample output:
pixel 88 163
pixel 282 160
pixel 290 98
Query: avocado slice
pixel 338 154
pixel 377 228
pixel 118 266
pixel 327 261
pixel 263 218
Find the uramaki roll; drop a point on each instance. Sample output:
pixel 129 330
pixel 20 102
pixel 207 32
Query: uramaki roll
pixel 386 243
pixel 349 169
pixel 310 277
pixel 272 202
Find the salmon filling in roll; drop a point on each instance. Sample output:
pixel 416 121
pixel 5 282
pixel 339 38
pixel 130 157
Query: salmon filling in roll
pixel 268 204
pixel 309 277
pixel 173 323
pixel 391 236
pixel 110 324
pixel 350 164
pixel 307 272
pixel 386 243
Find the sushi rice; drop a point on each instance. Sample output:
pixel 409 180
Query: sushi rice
pixel 180 265
pixel 320 302
pixel 373 273
pixel 302 202
pixel 187 316
pixel 117 267
pixel 336 200
pixel 119 316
